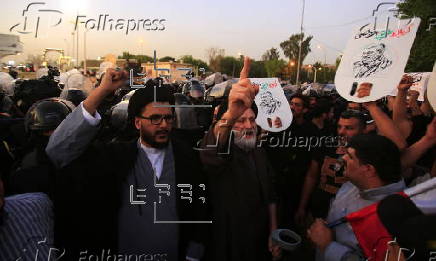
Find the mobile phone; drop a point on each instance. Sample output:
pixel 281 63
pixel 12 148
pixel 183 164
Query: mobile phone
pixel 353 89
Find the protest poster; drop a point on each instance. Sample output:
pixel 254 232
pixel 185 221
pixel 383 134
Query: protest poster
pixel 274 112
pixel 374 60
pixel 431 88
pixel 419 84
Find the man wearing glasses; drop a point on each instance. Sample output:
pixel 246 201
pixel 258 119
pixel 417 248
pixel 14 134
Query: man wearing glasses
pixel 127 196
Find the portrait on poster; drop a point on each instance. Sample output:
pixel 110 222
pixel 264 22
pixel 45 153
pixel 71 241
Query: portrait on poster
pixel 374 60
pixel 274 113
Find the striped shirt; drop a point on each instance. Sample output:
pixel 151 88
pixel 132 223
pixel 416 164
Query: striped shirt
pixel 27 229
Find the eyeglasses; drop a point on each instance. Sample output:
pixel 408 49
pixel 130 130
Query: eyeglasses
pixel 156 119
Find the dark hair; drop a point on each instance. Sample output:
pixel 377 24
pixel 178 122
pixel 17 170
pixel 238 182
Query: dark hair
pixel 143 96
pixel 225 105
pixel 320 108
pixel 302 97
pixel 379 152
pixel 360 116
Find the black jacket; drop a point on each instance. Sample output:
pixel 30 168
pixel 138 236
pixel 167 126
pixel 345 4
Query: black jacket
pixel 88 196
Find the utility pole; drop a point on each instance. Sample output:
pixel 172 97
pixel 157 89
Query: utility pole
pixel 77 46
pixel 300 46
pixel 84 50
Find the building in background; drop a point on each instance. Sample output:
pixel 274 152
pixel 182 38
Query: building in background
pixel 172 70
pixel 10 45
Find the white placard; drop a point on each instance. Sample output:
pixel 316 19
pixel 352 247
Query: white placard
pixel 374 60
pixel 420 81
pixel 274 112
pixel 431 88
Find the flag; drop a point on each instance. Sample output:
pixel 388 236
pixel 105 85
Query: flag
pixel 371 232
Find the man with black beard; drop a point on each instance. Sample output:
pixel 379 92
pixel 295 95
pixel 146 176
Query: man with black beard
pixel 243 208
pixel 125 198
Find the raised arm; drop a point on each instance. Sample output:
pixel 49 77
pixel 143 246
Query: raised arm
pixel 74 134
pixel 385 125
pixel 412 154
pixel 400 107
pixel 426 108
pixel 240 98
pixel 111 81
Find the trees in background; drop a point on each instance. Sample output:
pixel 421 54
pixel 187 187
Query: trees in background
pixel 139 57
pixel 167 59
pixel 290 47
pixel 423 53
pixel 271 54
pixel 214 56
pixel 195 62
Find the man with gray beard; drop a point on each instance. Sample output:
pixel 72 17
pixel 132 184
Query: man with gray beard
pixel 241 195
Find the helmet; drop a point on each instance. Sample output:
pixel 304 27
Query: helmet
pixel 47 114
pixel 77 88
pixel 193 87
pixel 103 67
pixel 213 79
pixel 128 95
pixel 186 117
pixel 75 96
pixel 31 91
pixel 41 72
pixel 119 115
pixel 220 90
pixel 7 84
pixel 196 90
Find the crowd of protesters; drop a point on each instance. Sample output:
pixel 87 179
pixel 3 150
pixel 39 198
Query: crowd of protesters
pixel 92 169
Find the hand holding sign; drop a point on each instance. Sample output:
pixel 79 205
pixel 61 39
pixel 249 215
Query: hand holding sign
pixel 364 89
pixel 274 112
pixel 406 83
pixel 372 64
pixel 431 89
pixel 242 93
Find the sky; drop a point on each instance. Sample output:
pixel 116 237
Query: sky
pixel 249 27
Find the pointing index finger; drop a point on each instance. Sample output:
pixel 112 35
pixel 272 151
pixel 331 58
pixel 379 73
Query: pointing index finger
pixel 246 69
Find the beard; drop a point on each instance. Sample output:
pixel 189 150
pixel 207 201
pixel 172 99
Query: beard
pixel 243 142
pixel 150 139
